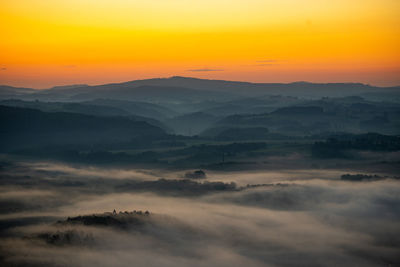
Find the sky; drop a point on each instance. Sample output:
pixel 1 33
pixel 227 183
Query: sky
pixel 56 42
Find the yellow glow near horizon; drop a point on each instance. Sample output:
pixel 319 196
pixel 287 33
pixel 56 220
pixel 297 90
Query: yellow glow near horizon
pixel 49 42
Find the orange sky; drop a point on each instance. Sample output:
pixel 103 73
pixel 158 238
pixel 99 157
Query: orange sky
pixel 54 42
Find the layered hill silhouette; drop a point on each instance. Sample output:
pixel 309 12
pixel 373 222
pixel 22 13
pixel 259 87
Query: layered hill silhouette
pixel 187 121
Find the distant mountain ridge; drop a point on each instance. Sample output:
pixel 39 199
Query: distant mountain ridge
pixel 189 89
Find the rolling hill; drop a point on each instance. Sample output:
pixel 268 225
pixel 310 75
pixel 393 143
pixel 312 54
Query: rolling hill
pixel 23 128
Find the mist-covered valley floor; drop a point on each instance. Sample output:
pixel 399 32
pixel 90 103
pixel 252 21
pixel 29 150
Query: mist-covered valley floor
pixel 57 214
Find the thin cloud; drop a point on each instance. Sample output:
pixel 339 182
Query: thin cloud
pixel 205 70
pixel 3 69
pixel 267 61
pixel 266 64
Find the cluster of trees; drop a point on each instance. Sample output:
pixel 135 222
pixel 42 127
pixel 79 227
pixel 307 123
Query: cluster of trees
pixel 114 219
pixel 199 174
pixel 182 186
pixel 360 177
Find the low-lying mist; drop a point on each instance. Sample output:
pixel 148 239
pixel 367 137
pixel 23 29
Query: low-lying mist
pixel 263 218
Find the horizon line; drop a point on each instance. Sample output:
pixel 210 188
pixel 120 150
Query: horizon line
pixel 195 78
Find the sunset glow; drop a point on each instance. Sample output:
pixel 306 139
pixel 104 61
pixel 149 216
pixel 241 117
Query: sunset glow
pixel 51 42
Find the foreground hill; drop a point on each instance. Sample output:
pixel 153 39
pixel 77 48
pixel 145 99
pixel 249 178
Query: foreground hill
pixel 101 108
pixel 23 127
pixel 88 109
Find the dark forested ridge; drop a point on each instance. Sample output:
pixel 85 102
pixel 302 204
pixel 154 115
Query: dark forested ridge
pixel 30 127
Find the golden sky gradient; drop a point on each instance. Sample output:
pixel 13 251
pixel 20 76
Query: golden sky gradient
pixel 52 42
